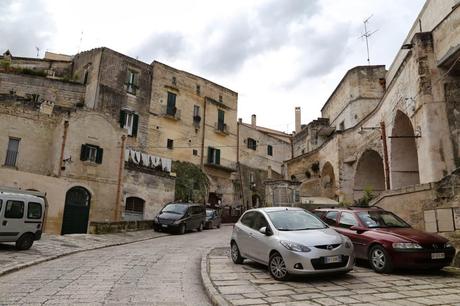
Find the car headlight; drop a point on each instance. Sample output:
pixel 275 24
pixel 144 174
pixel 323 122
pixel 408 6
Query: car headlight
pixel 406 245
pixel 296 247
pixel 448 245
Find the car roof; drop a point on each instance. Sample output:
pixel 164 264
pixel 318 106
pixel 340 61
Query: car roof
pixel 23 196
pixel 271 209
pixel 350 208
pixel 188 204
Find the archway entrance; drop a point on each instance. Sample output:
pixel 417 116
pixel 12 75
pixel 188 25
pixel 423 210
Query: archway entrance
pixel 76 211
pixel 369 174
pixel 255 201
pixel 404 159
pixel 328 181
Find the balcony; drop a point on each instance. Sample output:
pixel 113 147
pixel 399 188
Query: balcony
pixel 224 165
pixel 171 113
pixel 221 128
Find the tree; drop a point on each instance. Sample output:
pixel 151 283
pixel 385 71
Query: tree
pixel 192 184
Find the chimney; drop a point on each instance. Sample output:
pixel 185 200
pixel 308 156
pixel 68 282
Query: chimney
pixel 253 121
pixel 297 119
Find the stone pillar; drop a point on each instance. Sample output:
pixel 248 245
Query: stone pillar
pixel 253 121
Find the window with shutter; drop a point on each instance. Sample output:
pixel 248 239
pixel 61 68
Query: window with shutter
pixel 99 153
pixel 252 144
pixel 129 121
pixel 270 150
pixel 171 106
pixel 132 80
pixel 213 156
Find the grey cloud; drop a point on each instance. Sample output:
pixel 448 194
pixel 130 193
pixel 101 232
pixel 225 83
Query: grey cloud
pixel 162 46
pixel 24 27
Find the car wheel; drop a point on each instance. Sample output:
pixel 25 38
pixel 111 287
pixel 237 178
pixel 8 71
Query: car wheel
pixel 200 228
pixel 277 267
pixel 182 229
pixel 235 252
pixel 379 260
pixel 25 242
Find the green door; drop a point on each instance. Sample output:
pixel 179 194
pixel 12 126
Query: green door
pixel 76 211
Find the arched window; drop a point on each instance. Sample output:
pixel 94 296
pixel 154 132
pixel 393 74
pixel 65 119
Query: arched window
pixel 134 208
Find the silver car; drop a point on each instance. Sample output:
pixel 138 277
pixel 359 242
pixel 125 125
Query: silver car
pixel 290 241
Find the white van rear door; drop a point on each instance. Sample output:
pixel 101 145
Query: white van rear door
pixel 34 216
pixel 12 223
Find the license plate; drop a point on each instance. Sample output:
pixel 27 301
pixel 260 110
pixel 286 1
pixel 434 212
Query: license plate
pixel 438 255
pixel 164 225
pixel 332 259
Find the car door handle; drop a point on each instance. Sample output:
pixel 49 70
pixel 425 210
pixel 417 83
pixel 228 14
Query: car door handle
pixel 5 223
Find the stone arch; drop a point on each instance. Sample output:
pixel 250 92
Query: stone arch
pixel 328 188
pixel 369 174
pixel 404 160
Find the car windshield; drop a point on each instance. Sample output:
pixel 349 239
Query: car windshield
pixel 375 219
pixel 294 220
pixel 179 209
pixel 209 212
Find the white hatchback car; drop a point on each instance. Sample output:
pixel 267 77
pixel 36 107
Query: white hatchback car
pixel 290 241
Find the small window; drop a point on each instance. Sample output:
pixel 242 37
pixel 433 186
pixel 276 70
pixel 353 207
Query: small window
pixel 14 209
pixel 134 205
pixel 252 144
pixel 198 89
pixel 330 218
pixel 220 99
pixel 129 121
pixel 269 150
pixel 12 152
pixel 347 220
pixel 195 152
pixel 132 80
pixel 213 156
pixel 91 153
pixel 196 114
pixel 174 81
pixel 171 104
pixel 170 144
pixel 34 210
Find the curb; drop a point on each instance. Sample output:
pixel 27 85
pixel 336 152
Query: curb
pixel 216 298
pixel 38 261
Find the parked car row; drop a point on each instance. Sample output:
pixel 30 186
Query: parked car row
pixel 294 241
pixel 183 217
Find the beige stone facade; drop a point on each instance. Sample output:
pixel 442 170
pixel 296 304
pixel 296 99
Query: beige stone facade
pixel 391 132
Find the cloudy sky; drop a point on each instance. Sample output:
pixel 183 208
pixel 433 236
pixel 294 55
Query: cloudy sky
pixel 277 54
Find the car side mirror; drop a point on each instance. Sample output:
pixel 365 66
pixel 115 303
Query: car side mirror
pixel 266 231
pixel 358 229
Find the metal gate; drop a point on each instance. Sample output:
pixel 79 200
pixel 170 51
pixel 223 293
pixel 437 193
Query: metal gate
pixel 76 211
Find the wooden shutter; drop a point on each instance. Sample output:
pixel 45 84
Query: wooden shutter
pixel 221 117
pixel 135 124
pixel 84 152
pixel 99 154
pixel 122 118
pixel 217 161
pixel 210 155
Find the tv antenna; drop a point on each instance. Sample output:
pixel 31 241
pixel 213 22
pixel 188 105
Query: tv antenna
pixel 38 51
pixel 366 35
pixel 81 39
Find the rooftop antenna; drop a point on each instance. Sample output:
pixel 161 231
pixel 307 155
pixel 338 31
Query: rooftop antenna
pixel 38 51
pixel 366 35
pixel 81 39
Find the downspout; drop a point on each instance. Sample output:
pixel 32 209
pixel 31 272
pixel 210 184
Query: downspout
pixel 292 146
pixel 385 155
pixel 120 177
pixel 64 139
pixel 238 162
pixel 202 136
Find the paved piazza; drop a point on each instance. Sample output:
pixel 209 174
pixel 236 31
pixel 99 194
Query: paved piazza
pixel 251 284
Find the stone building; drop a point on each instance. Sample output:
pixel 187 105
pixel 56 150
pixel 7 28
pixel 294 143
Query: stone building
pixel 261 153
pixel 395 132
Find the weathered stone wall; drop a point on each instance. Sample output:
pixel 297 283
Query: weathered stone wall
pixel 120 226
pixel 63 94
pixel 156 189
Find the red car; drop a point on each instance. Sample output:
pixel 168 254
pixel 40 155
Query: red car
pixel 386 241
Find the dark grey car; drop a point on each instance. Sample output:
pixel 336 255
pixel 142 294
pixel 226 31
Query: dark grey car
pixel 180 217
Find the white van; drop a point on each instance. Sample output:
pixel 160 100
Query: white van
pixel 21 216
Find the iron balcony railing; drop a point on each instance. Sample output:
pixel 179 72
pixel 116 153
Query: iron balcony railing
pixel 170 112
pixel 11 157
pixel 221 127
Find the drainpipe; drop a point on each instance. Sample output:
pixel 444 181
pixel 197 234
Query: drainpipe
pixel 385 155
pixel 120 177
pixel 202 136
pixel 64 138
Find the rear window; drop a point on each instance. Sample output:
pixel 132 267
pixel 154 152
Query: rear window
pixel 14 209
pixel 34 210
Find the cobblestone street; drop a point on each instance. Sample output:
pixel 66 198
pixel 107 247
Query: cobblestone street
pixel 162 271
pixel 251 284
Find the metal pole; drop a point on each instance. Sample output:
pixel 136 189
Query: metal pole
pixel 385 155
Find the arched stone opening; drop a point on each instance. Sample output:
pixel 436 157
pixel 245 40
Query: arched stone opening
pixel 328 188
pixel 404 159
pixel 369 174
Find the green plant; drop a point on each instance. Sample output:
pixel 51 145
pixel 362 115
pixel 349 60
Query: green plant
pixel 5 65
pixel 192 184
pixel 32 72
pixel 367 197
